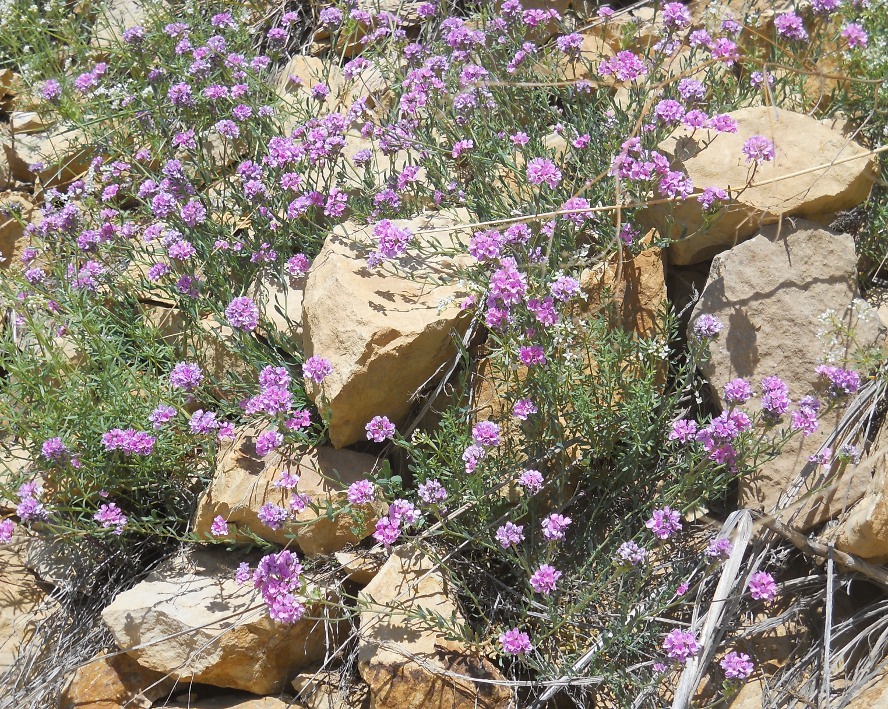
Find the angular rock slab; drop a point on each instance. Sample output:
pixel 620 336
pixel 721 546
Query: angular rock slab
pixel 243 482
pixel 113 682
pixel 864 529
pixel 23 603
pixel 769 293
pixel 389 640
pixel 716 160
pixel 385 332
pixel 191 619
pixel 13 206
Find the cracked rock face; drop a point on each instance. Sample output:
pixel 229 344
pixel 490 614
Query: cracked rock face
pixel 716 160
pixel 770 293
pixel 386 331
pixel 191 619
pixel 405 663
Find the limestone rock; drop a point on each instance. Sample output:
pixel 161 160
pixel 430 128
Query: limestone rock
pixel 243 483
pixel 716 160
pixel 864 530
pixel 23 603
pixel 29 122
pixel 388 642
pixel 637 287
pixel 110 682
pixel 231 702
pixel 198 624
pixel 769 293
pixel 5 170
pixel 13 206
pixel 386 333
pixel 321 690
pixel 63 153
pixel 279 297
pixel 361 566
pixel 873 696
pixel 117 16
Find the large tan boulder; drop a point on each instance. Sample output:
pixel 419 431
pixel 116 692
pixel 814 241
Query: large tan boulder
pixel 715 160
pixel 13 207
pixel 111 682
pixel 402 659
pixel 23 605
pixel 63 153
pixel 387 330
pixel 769 293
pixel 243 482
pixel 115 17
pixel 192 620
pixel 864 529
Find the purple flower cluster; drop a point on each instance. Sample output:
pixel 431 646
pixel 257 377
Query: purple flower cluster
pixel 554 526
pixel 274 396
pixel 544 579
pixel 630 553
pixel 707 326
pixel 392 242
pixel 432 492
pixel 242 314
pixel 267 441
pixel 53 449
pixel 186 376
pixel 361 492
pixel 758 149
pixel 842 381
pixel 29 507
pixel 804 418
pixel 515 642
pixel 775 396
pixel 681 646
pixel 531 480
pixel 664 522
pixel 379 429
pixel 762 586
pixel 401 515
pixel 128 440
pixel 110 515
pixel 317 369
pixel 509 535
pixel 277 576
pixel 737 666
pixel 486 433
pixel 524 408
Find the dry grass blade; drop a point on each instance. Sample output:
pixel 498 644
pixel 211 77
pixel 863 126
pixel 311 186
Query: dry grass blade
pixel 739 525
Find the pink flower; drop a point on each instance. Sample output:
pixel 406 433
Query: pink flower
pixel 267 441
pixel 531 480
pixel 110 515
pixel 7 527
pixel 762 586
pixel 509 534
pixel 855 34
pixel 737 666
pixel 758 149
pixel 545 579
pixel 554 525
pixel 524 408
pixel 486 433
pixel 387 531
pixel 540 170
pixel 664 523
pixel 219 528
pixel 379 429
pixel 681 645
pixel 515 642
pixel 317 369
pixel 361 492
